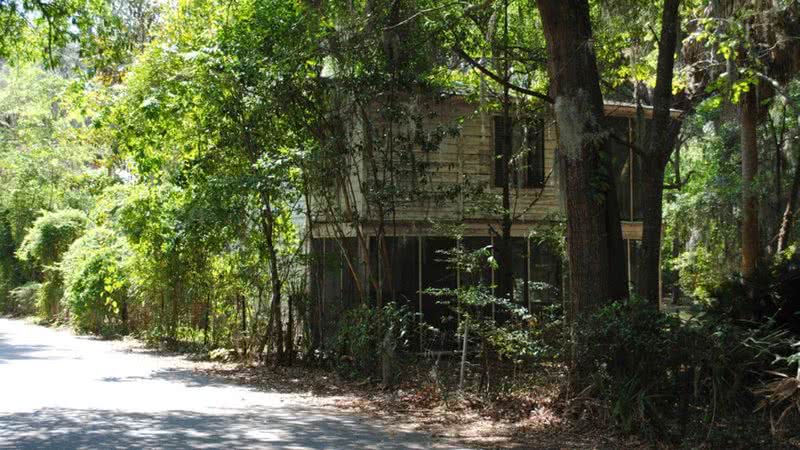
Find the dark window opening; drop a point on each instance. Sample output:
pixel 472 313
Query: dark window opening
pixel 546 275
pixel 398 273
pixel 437 273
pixel 526 166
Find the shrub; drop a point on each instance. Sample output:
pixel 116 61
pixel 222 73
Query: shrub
pixel 649 369
pixel 44 244
pixel 526 337
pixel 50 236
pixel 627 352
pixel 781 395
pixel 5 295
pixel 48 298
pixel 773 293
pixel 366 335
pixel 96 288
pixel 22 299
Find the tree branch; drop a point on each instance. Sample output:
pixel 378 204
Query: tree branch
pixel 461 53
pixel 779 89
pixel 680 183
pixel 419 13
pixel 630 145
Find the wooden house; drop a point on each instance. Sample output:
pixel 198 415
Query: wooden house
pixel 459 185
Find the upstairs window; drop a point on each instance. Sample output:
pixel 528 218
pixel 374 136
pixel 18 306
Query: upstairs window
pixel 527 152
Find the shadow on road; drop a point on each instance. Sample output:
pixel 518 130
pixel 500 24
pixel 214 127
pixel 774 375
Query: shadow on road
pixel 257 428
pixel 186 377
pixel 213 413
pixel 14 352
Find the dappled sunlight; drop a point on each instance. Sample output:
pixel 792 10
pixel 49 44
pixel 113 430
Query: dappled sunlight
pixel 75 393
pixel 58 428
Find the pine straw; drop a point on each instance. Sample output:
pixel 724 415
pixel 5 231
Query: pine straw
pixel 531 418
pixel 533 415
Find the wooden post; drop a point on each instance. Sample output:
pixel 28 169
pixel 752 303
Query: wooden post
pixel 419 292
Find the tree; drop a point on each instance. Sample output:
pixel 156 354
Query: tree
pixel 594 234
pixel 44 246
pixel 751 247
pixel 657 153
pixel 217 132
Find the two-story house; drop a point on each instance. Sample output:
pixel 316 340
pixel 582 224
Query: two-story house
pixel 463 179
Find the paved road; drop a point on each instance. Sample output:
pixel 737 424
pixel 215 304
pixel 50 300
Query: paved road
pixel 59 391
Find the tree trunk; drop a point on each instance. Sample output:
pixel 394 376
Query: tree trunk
pixel 594 234
pixel 275 324
pixel 207 321
pixel 462 369
pixel 506 274
pixel 505 282
pixel 657 153
pixel 289 345
pixel 788 213
pixel 750 234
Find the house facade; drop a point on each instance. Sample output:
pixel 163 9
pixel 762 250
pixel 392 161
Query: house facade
pixel 394 251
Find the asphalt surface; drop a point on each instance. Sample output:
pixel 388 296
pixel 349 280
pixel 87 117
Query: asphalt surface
pixel 60 391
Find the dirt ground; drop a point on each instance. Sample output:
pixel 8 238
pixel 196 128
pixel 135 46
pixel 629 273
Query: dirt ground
pixel 537 419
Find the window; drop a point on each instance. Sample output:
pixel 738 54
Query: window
pixel 527 152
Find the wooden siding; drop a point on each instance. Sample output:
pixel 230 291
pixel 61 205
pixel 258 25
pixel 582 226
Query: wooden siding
pixel 466 160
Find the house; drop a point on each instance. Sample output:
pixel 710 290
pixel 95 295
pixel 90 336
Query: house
pixel 379 231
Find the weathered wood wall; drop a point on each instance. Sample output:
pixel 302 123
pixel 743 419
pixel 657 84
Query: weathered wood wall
pixel 460 165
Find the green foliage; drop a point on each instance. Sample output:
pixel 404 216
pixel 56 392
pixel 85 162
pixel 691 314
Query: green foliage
pixel 48 298
pixel 22 299
pixel 45 162
pixel 650 370
pixel 512 332
pixel 770 296
pixel 529 338
pixel 96 282
pixel 43 247
pixel 51 235
pixel 629 351
pixel 366 335
pixel 107 33
pixel 702 218
pixel 9 273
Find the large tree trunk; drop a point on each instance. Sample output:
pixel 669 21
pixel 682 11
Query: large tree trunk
pixel 594 235
pixel 661 145
pixel 750 234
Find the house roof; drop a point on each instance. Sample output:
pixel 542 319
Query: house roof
pixel 622 109
pixel 612 108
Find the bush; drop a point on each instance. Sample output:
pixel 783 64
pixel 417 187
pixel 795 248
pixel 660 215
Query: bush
pixel 50 236
pixel 96 288
pixel 773 293
pixel 366 336
pixel 48 298
pixel 44 244
pixel 649 369
pixel 22 299
pixel 781 395
pixel 5 295
pixel 526 337
pixel 627 352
